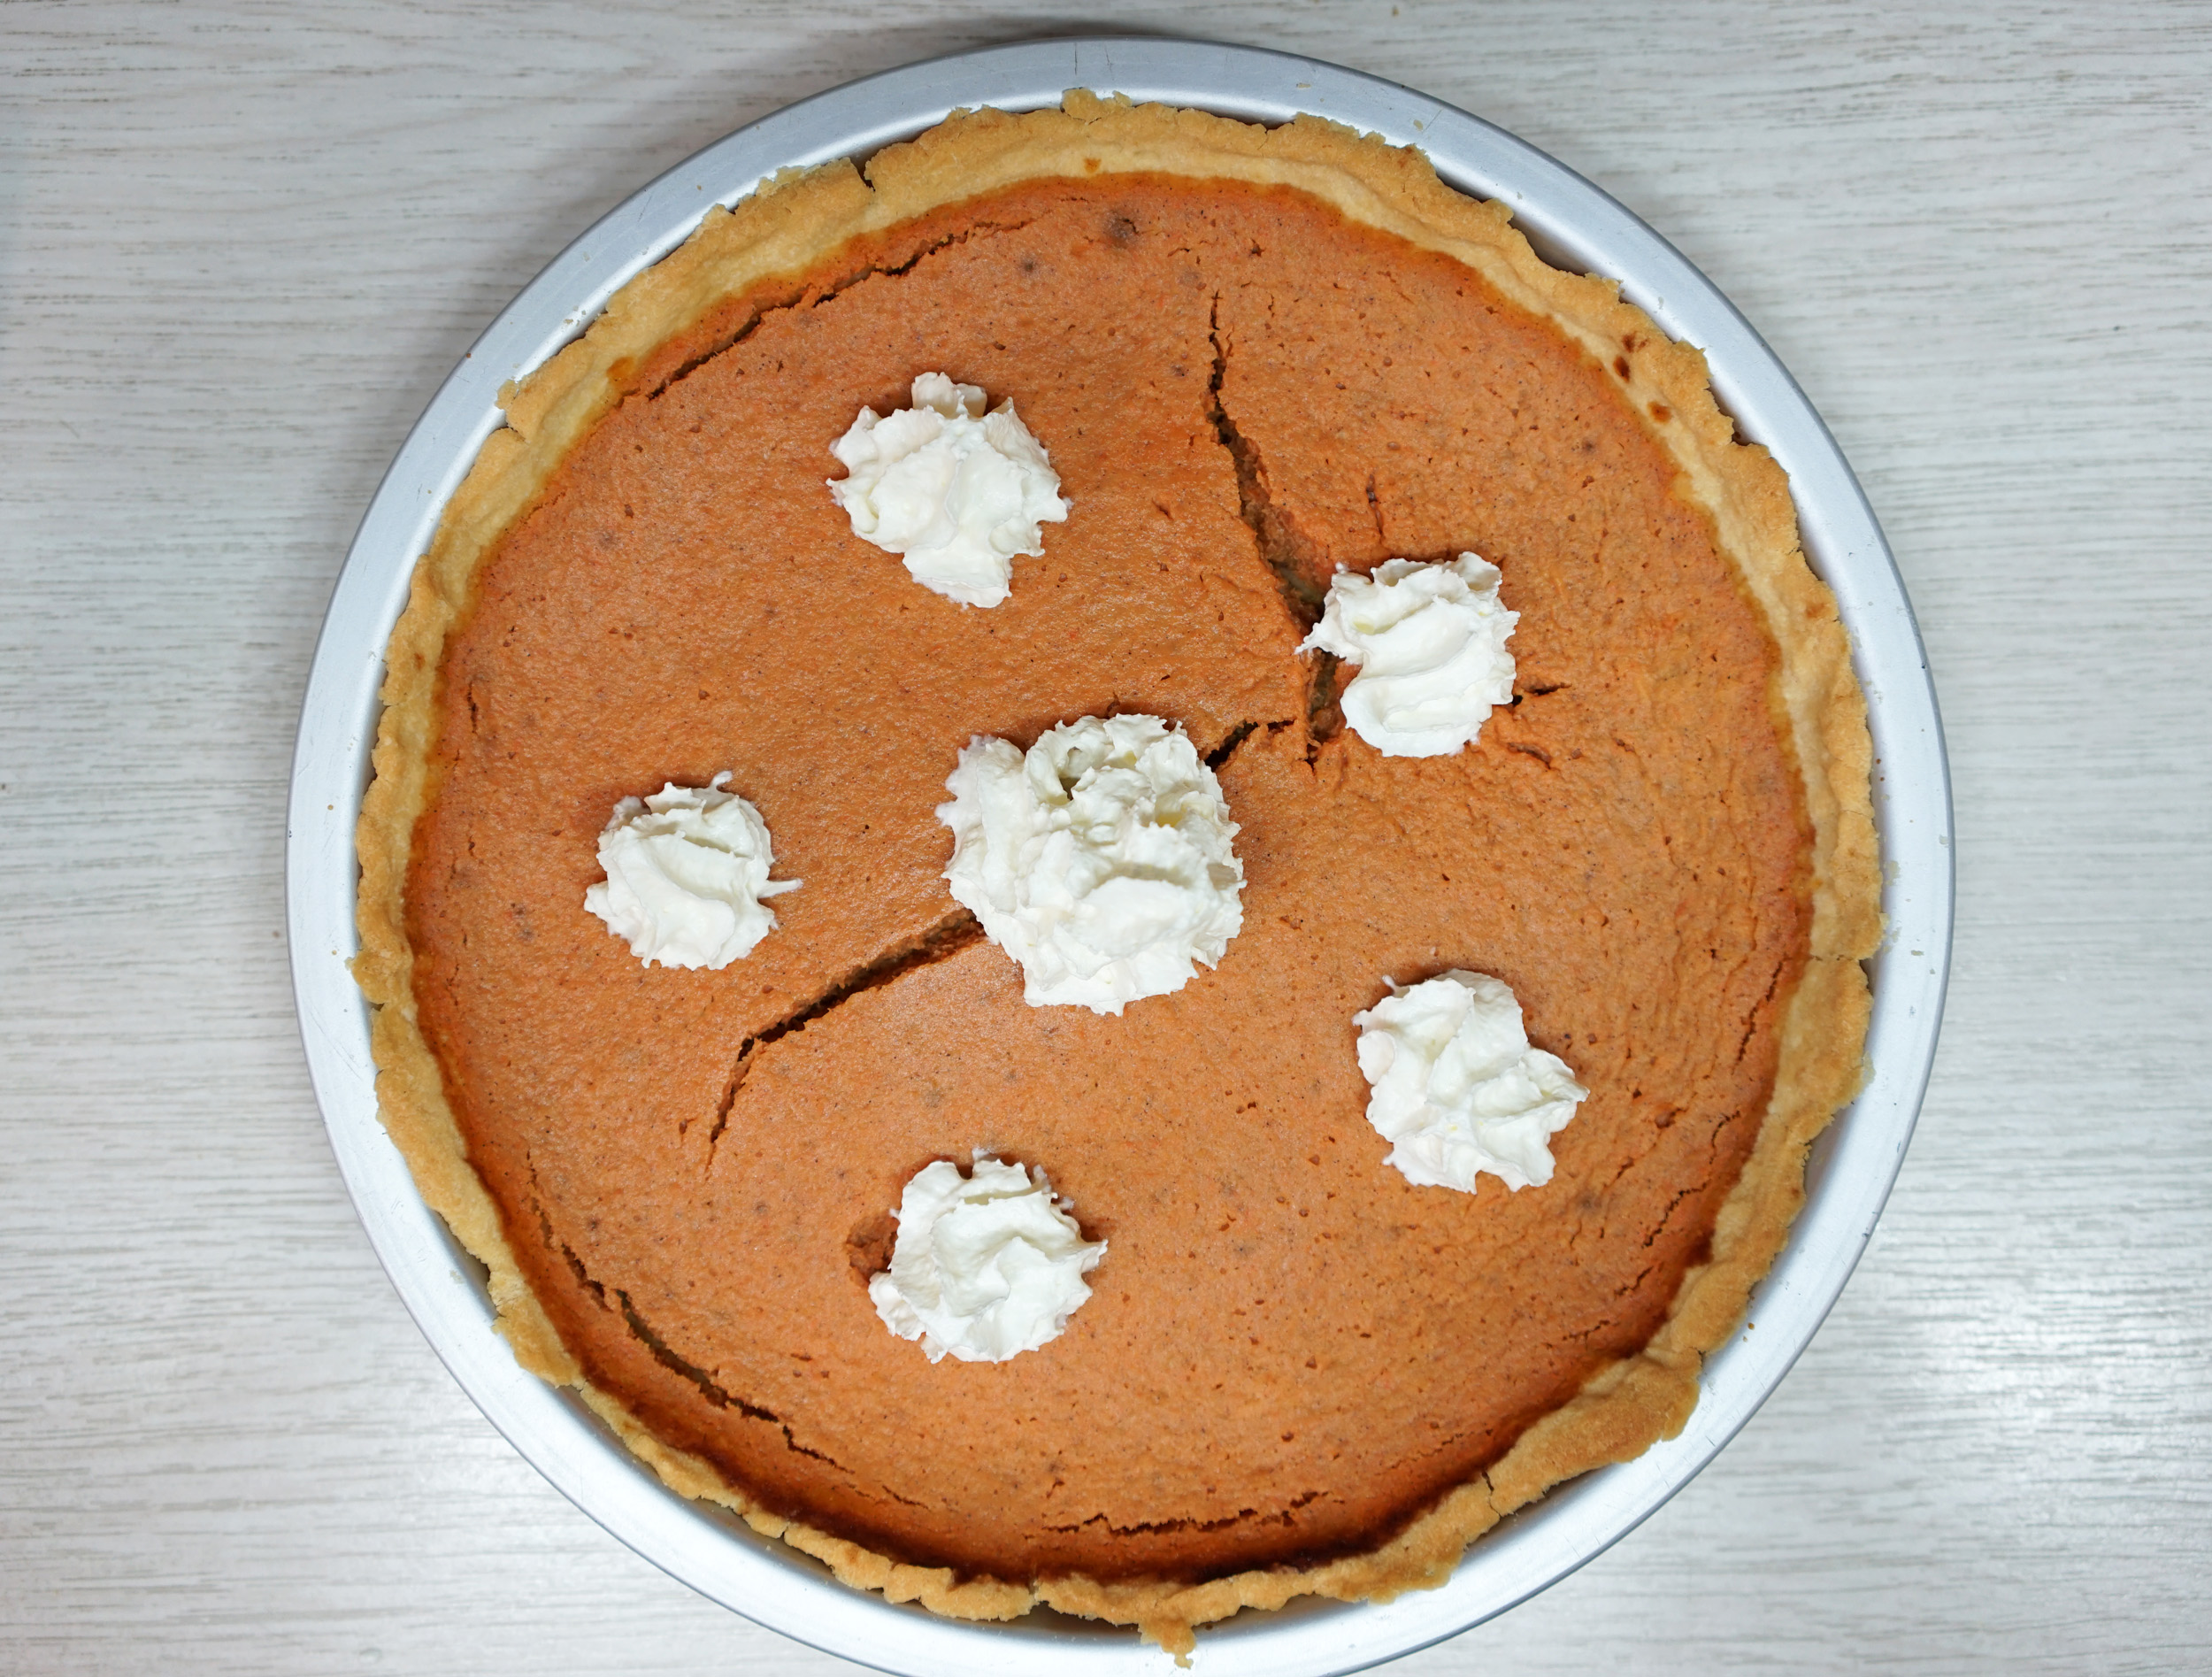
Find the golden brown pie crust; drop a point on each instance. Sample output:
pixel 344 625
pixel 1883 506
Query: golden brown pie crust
pixel 791 228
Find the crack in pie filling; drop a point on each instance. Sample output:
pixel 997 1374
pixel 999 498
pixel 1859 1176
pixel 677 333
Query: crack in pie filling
pixel 1255 356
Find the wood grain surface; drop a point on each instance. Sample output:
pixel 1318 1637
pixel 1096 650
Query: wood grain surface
pixel 240 243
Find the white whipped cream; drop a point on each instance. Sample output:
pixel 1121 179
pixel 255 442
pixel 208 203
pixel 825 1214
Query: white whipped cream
pixel 1457 1088
pixel 957 492
pixel 687 871
pixel 985 1265
pixel 1100 860
pixel 1429 642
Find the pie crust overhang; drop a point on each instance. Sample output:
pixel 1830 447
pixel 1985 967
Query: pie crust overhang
pixel 704 296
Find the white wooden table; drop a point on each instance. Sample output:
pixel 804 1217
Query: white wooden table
pixel 242 242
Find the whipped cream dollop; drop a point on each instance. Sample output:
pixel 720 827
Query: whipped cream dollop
pixel 687 876
pixel 987 1265
pixel 1428 641
pixel 1457 1088
pixel 1100 859
pixel 955 491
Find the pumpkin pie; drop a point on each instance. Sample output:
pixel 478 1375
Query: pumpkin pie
pixel 1256 356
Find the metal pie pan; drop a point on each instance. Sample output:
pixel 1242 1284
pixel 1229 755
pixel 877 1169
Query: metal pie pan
pixel 1575 225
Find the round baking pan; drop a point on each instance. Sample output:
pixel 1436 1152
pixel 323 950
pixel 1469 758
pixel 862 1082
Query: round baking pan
pixel 1573 224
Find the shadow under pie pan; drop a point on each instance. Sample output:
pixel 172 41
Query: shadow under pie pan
pixel 1572 225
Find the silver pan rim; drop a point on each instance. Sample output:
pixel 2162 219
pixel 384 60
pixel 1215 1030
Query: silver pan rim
pixel 1573 224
